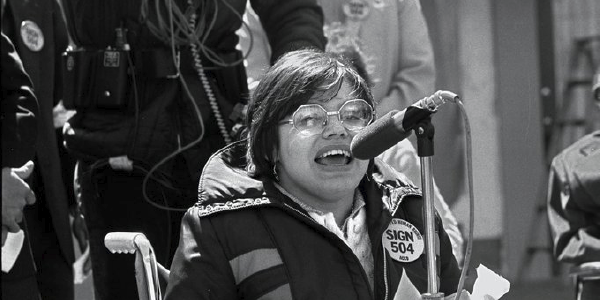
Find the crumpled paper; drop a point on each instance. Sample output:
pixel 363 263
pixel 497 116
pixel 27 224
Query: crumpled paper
pixel 11 249
pixel 488 286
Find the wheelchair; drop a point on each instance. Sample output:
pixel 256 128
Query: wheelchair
pixel 584 272
pixel 151 277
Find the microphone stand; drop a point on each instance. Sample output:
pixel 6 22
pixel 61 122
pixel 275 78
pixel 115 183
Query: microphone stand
pixel 424 132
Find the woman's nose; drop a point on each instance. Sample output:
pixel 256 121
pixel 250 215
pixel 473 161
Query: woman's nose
pixel 334 127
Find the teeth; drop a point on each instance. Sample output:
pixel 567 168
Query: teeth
pixel 335 152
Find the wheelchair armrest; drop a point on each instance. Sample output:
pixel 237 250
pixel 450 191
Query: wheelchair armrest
pixel 588 270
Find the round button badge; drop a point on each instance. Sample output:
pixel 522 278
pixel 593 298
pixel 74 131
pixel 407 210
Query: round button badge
pixel 32 36
pixel 356 9
pixel 403 241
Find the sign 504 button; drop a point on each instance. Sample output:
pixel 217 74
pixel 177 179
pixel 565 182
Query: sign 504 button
pixel 403 241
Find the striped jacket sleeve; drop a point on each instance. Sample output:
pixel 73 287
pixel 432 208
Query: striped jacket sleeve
pixel 199 269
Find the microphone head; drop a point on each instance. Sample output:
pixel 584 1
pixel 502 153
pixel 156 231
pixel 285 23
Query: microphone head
pixel 377 137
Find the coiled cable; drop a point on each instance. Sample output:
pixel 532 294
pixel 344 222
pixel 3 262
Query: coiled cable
pixel 187 28
pixel 206 84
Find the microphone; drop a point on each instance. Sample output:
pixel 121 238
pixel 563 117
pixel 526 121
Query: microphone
pixel 395 126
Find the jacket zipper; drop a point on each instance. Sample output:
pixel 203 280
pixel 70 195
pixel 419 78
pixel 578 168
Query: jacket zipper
pixel 385 279
pixel 392 213
pixel 312 221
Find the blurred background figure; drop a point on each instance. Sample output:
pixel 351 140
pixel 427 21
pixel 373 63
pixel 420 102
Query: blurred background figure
pixel 574 208
pixel 389 40
pixel 157 86
pixel 19 135
pixel 40 34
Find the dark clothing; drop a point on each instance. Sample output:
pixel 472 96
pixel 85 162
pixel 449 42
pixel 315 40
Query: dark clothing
pixel 159 114
pixel 115 211
pixel 290 25
pixel 19 109
pixel 574 201
pixel 244 239
pixel 20 283
pixel 48 219
pixel 574 207
pixel 54 273
pixel 158 117
pixel 54 269
pixel 19 133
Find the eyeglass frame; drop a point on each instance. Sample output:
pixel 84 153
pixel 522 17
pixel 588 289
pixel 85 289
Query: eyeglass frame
pixel 330 113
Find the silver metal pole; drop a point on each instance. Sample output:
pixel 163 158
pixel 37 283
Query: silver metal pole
pixel 430 234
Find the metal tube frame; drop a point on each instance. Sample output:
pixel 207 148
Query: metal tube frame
pixel 425 132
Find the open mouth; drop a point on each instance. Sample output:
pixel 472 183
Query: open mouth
pixel 336 157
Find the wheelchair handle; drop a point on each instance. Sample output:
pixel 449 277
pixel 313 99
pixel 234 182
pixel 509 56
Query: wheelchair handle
pixel 126 242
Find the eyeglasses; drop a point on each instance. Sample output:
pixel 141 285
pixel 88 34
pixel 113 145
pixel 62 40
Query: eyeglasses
pixel 310 119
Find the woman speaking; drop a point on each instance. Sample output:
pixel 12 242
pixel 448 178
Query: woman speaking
pixel 288 213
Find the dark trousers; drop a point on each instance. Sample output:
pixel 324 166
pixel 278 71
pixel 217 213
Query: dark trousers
pixel 54 273
pixel 113 201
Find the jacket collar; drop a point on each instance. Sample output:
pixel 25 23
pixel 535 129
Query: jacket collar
pixel 225 178
pixel 384 189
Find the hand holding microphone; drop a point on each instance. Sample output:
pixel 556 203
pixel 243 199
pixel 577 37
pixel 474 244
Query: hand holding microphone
pixel 396 126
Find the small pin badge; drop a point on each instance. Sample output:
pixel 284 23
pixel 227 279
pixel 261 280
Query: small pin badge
pixel 32 36
pixel 356 9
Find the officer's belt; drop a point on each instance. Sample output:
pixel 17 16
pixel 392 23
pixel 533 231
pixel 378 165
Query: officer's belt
pixel 160 62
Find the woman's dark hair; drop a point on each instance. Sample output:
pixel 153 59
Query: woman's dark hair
pixel 294 79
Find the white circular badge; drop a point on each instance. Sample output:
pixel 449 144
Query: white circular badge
pixel 356 9
pixel 32 36
pixel 403 241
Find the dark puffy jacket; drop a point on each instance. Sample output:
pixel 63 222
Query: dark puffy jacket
pixel 245 240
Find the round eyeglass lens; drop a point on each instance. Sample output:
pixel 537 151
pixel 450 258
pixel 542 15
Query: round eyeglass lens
pixel 309 118
pixel 356 114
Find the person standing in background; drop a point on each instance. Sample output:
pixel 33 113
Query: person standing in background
pixel 392 40
pixel 19 134
pixel 158 87
pixel 574 204
pixel 39 31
